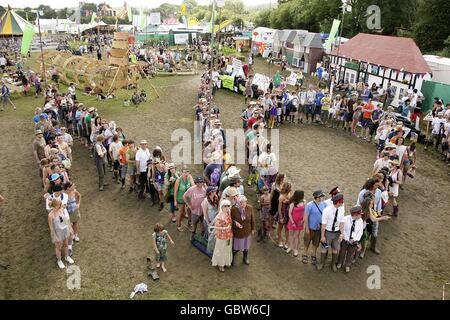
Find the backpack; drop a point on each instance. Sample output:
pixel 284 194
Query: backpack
pixel 215 177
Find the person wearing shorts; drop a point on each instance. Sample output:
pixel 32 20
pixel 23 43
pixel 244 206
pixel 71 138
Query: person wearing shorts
pixel 332 231
pixel 366 120
pixel 313 221
pixel 193 199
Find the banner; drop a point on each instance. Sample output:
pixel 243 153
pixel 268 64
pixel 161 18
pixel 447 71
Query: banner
pixel 155 18
pixel 261 81
pixel 227 82
pixel 292 79
pixel 183 9
pixel 333 33
pixel 26 39
pixel 181 38
pixel 94 16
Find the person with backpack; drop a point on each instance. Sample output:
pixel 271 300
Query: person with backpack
pixel 213 170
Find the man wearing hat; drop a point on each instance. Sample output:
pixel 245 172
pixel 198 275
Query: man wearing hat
pixel 142 156
pixel 193 198
pixel 313 222
pixel 381 163
pixel 213 170
pixel 228 176
pixel 353 231
pixel 39 146
pixel 332 231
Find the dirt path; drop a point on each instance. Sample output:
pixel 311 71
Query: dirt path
pixel 116 229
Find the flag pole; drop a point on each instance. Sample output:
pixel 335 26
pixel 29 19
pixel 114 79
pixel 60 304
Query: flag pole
pixel 42 51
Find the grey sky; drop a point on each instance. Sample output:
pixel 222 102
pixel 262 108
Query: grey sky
pixel 114 3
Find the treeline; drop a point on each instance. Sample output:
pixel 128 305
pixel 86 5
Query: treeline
pixel 427 21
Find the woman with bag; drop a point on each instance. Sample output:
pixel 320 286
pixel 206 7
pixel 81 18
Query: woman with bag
pixel 210 207
pixel 222 255
pixel 243 227
pixel 60 231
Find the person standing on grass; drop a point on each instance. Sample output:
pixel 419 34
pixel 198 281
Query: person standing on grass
pixel 243 227
pixel 193 198
pixel 59 231
pixel 295 222
pixel 353 228
pixel 366 120
pixel 159 173
pixel 396 178
pixel 283 214
pixel 100 159
pixel 142 156
pixel 114 148
pixel 332 231
pixel 160 238
pixel 223 255
pixel 170 179
pixel 5 96
pixel 313 220
pixel 183 183
pixel 377 115
pixel 123 163
pixel 73 207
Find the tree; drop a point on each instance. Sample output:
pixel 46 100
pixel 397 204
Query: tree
pixel 432 28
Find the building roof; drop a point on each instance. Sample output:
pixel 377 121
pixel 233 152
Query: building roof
pixel 309 39
pixel 392 52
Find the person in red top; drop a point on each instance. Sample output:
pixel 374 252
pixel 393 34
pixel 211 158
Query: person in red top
pixel 366 121
pixel 123 161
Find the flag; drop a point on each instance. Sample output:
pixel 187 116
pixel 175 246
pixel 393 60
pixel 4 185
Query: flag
pixel 192 22
pixel 141 19
pixel 26 39
pixel 129 13
pixel 333 33
pixel 117 22
pixel 183 9
pixel 94 16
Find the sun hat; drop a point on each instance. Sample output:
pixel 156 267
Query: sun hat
pixel 171 166
pixel 54 177
pixel 232 172
pixel 38 132
pixel 143 142
pixel 91 109
pixel 231 192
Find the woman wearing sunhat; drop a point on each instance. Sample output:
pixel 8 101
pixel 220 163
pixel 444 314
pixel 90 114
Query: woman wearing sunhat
pixel 210 207
pixel 223 255
pixel 100 158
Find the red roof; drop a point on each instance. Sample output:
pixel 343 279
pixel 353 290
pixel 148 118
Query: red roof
pixel 387 51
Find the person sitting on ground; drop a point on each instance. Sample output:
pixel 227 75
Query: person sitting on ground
pixel 143 96
pixel 135 98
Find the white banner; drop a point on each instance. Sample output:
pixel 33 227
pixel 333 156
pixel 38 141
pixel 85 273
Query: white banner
pixel 237 67
pixel 292 79
pixel 181 38
pixel 261 81
pixel 155 18
pixel 220 3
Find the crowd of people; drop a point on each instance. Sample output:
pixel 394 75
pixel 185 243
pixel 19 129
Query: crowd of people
pixel 214 203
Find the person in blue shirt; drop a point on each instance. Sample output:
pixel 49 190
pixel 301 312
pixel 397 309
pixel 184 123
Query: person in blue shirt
pixel 5 96
pixel 404 109
pixel 318 109
pixel 312 223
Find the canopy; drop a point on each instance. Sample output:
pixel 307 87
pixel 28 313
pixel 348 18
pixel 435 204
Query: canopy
pixel 11 24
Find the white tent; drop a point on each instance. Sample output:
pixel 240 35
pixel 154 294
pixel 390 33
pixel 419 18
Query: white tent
pixel 440 67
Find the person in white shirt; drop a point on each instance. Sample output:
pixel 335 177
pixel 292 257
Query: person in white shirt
pixel 381 163
pixel 353 231
pixel 437 125
pixel 67 137
pixel 142 157
pixel 332 231
pixel 114 155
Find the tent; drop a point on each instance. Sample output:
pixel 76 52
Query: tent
pixel 11 24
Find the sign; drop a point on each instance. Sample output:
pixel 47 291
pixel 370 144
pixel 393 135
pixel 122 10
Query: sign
pixel 261 81
pixel 227 82
pixel 237 67
pixel 220 3
pixel 229 68
pixel 155 18
pixel 292 79
pixel 181 38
